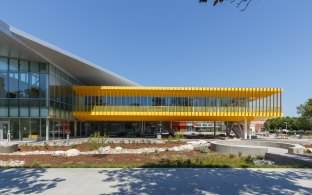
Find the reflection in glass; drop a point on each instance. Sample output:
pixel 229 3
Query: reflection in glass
pixel 3 85
pixel 3 64
pixel 13 65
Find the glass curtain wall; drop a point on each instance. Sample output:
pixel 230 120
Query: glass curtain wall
pixel 31 92
pixel 23 93
pixel 61 99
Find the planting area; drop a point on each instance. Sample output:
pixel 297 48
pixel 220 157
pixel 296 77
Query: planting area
pixel 161 159
pixel 91 146
pixel 100 153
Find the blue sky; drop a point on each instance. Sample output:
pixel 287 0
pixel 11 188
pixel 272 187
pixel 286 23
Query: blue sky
pixel 182 42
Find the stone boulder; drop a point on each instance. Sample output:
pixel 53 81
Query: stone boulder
pixel 187 147
pixel 202 142
pixel 103 150
pixel 193 142
pixel 118 148
pixel 58 153
pixel 72 152
pixel 8 148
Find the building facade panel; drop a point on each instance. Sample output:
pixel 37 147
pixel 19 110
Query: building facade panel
pixel 163 103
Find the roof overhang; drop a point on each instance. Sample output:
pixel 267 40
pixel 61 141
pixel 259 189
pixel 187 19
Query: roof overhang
pixel 18 44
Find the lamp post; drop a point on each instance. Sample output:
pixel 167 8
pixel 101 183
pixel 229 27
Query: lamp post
pixel 286 128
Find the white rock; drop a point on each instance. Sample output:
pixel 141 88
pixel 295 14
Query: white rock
pixel 58 153
pixel 176 149
pixel 309 150
pixel 11 163
pixel 102 150
pixel 202 142
pixel 193 142
pixel 72 152
pixel 187 147
pixel 263 162
pixel 118 148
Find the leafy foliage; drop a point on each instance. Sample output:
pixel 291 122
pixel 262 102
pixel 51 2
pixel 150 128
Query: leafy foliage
pixel 241 4
pixel 305 110
pixel 293 123
pixel 96 140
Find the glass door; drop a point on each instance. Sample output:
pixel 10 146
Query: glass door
pixel 4 127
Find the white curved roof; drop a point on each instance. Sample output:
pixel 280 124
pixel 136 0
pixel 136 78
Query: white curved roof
pixel 18 44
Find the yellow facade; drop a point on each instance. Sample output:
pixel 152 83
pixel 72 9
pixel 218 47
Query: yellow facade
pixel 115 103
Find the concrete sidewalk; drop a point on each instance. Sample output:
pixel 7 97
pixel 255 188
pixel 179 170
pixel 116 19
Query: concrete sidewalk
pixel 155 181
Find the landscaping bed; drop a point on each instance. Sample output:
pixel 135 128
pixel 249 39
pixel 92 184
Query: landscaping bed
pixel 164 159
pixel 89 147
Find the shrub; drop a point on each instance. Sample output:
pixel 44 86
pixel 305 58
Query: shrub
pixel 202 149
pixel 46 145
pixel 96 140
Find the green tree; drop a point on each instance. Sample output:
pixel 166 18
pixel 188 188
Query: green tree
pixel 305 110
pixel 304 123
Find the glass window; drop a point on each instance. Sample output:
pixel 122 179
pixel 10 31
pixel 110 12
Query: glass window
pixel 3 64
pixel 24 90
pixel 3 107
pixel 25 129
pixel 34 112
pixel 23 102
pixel 57 88
pixel 24 66
pixel 52 69
pixel 3 85
pixel 24 112
pixel 34 85
pixel 43 128
pixel 43 103
pixel 43 67
pixel 13 87
pixel 34 67
pixel 34 102
pixel 43 85
pixel 14 126
pixel 52 86
pixel 44 112
pixel 13 65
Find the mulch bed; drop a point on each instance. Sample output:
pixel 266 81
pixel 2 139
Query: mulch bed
pixel 87 147
pixel 307 146
pixel 107 160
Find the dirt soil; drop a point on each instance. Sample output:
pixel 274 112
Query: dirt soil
pixel 87 147
pixel 107 160
pixel 307 146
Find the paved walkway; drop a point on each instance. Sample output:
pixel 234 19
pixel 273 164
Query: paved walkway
pixel 155 181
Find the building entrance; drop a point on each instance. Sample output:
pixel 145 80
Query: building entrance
pixel 4 127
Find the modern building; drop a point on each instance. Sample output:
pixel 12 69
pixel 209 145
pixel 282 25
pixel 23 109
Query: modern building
pixel 46 92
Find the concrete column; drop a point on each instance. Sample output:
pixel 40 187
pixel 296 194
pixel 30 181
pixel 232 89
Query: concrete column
pixel 249 131
pixel 214 129
pixel 75 128
pixel 47 129
pixel 245 128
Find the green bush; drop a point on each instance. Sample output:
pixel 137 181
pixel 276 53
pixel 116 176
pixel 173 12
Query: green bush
pixel 202 149
pixel 96 140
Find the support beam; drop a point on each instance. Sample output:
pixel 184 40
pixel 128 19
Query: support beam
pixel 245 128
pixel 47 129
